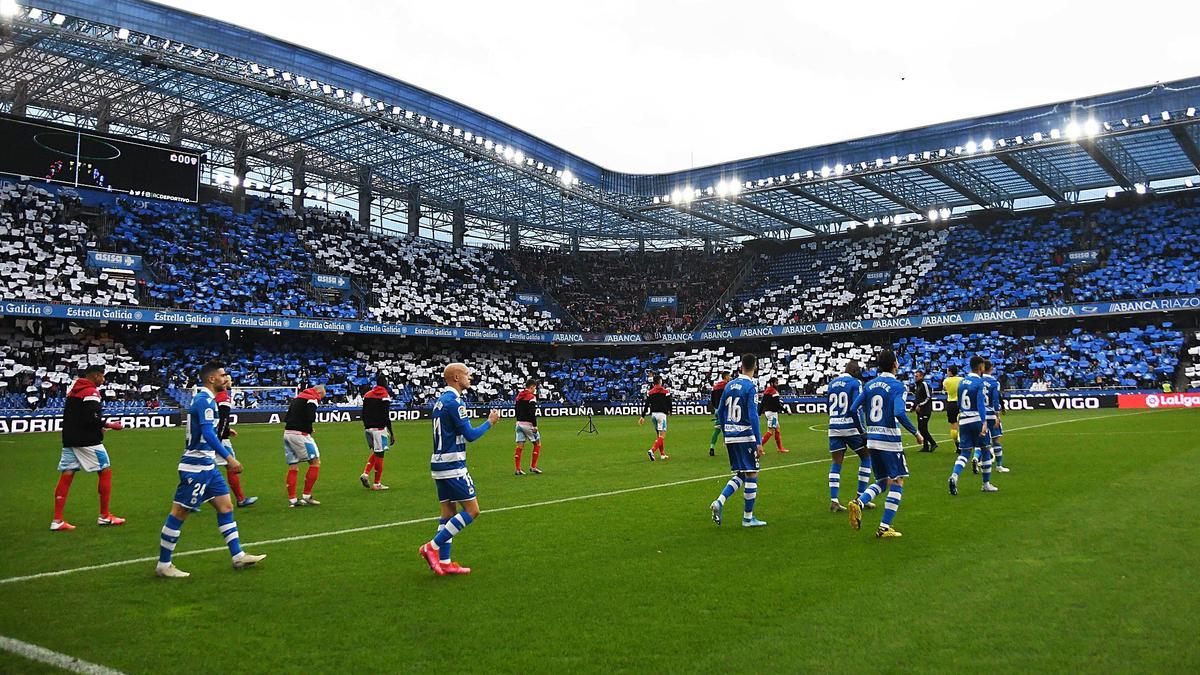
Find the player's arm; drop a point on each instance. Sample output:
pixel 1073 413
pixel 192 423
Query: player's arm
pixel 752 404
pixel 463 425
pixel 902 416
pixel 981 403
pixel 208 431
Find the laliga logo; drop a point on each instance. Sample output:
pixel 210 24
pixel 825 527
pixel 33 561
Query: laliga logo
pixel 1152 401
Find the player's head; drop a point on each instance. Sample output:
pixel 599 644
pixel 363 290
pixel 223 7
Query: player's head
pixel 320 389
pixel 920 375
pixel 952 371
pixel 531 384
pixel 657 380
pixel 774 381
pixel 977 364
pixel 94 374
pixel 381 380
pixel 987 366
pixel 228 381
pixel 458 376
pixel 853 368
pixel 749 364
pixel 212 375
pixel 886 361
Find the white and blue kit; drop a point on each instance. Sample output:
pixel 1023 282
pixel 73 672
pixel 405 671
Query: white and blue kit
pixel 972 410
pixel 991 395
pixel 845 429
pixel 882 403
pixel 737 413
pixel 199 479
pixel 451 433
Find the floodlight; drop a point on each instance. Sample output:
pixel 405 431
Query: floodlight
pixel 1139 188
pixel 356 97
pixel 895 160
pixel 35 13
pixel 734 186
pixel 944 213
pixel 933 215
pixel 971 147
pixel 1188 182
pixel 1166 116
pixel 1191 112
pixel 122 34
pixel 942 152
pixel 838 170
pixel 1055 133
pixel 722 189
pixel 988 145
pixel 1110 194
pixel 1037 137
pixel 824 172
pixel 326 89
pixel 809 174
pixel 688 194
pixel 1073 130
pixel 58 20
pixel 1145 119
pixel 676 196
pixel 1019 140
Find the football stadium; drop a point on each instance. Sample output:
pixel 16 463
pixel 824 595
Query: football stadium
pixel 460 398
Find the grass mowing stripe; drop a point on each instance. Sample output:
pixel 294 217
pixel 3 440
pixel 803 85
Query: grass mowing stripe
pixel 42 655
pixel 515 507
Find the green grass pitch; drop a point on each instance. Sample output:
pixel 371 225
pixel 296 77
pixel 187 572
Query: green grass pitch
pixel 1087 559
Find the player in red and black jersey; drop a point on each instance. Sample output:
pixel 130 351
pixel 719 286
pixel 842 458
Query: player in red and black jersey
pixel 658 404
pixel 226 433
pixel 772 407
pixel 714 399
pixel 527 429
pixel 83 447
pixel 377 425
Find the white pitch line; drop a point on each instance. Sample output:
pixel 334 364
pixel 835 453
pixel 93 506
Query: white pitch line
pixel 42 655
pixel 515 507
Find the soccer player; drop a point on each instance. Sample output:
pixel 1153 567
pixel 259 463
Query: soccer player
pixel 882 400
pixel 451 433
pixel 299 446
pixel 226 433
pixel 658 404
pixel 772 407
pixel 738 413
pixel 923 406
pixel 950 384
pixel 995 408
pixel 527 429
pixel 83 447
pixel 377 425
pixel 714 399
pixel 972 404
pixel 846 431
pixel 199 479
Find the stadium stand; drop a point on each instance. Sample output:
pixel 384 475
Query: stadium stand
pixel 606 291
pixel 45 250
pixel 40 360
pixel 417 280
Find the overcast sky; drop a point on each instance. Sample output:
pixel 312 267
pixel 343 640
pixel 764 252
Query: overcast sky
pixel 661 85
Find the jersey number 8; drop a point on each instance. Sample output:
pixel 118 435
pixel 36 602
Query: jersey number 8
pixel 876 413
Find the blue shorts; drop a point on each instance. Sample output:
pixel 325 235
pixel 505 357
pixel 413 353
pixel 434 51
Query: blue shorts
pixel 971 436
pixel 742 457
pixel 888 464
pixel 461 489
pixel 196 488
pixel 854 443
pixel 998 431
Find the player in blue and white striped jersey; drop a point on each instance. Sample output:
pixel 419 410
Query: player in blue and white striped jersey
pixel 846 431
pixel 737 412
pixel 995 404
pixel 972 414
pixel 199 479
pixel 448 465
pixel 882 401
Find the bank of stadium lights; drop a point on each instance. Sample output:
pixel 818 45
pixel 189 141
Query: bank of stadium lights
pixel 9 8
pixel 1139 188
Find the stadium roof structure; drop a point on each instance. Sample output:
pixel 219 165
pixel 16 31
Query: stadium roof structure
pixel 261 106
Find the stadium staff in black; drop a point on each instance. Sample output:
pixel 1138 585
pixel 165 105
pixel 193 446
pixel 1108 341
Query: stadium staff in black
pixel 923 405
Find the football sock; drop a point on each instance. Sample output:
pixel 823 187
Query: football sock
pixel 60 493
pixel 960 462
pixel 378 469
pixel 864 474
pixel 976 454
pixel 444 549
pixel 987 465
pixel 712 442
pixel 893 503
pixel 170 537
pixel 370 464
pixel 954 436
pixel 228 529
pixel 235 485
pixel 517 456
pixel 835 480
pixel 292 474
pixel 731 487
pixel 998 451
pixel 778 439
pixel 310 479
pixel 104 487
pixel 537 450
pixel 750 493
pixel 870 493
pixel 767 438
pixel 451 528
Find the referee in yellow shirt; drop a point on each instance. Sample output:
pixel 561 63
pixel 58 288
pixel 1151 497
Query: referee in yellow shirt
pixel 950 384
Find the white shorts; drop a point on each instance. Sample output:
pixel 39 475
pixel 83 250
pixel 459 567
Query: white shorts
pixel 221 461
pixel 90 458
pixel 298 447
pixel 660 421
pixel 378 440
pixel 528 432
pixel 772 419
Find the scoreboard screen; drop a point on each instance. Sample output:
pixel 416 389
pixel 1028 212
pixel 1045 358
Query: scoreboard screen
pixel 61 154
